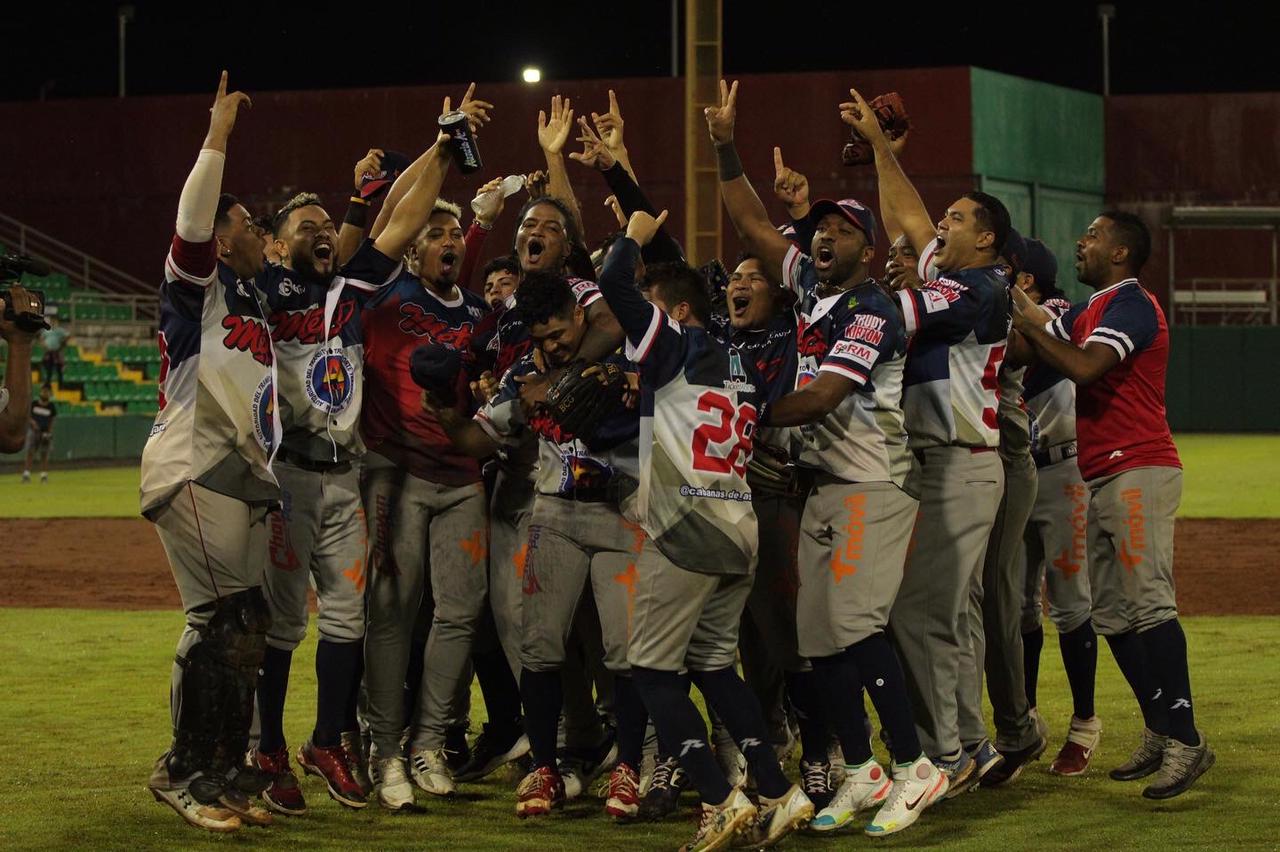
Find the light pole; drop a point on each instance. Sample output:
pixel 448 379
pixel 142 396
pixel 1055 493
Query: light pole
pixel 1106 12
pixel 124 14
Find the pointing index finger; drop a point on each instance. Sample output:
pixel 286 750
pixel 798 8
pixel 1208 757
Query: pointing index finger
pixel 777 161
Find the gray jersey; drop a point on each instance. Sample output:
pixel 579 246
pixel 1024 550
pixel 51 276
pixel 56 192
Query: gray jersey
pixel 1012 416
pixel 1051 397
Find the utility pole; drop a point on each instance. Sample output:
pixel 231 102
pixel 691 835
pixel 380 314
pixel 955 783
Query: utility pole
pixel 1106 12
pixel 124 14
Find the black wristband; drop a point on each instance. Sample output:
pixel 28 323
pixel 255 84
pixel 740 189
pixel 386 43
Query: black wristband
pixel 357 214
pixel 730 165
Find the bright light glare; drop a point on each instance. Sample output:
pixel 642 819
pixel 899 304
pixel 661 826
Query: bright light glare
pixel 531 74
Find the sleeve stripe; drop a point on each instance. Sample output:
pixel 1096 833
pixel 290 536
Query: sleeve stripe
pixel 789 264
pixel 176 273
pixel 1056 329
pixel 910 315
pixel 646 343
pixel 487 425
pixel 590 298
pixel 1125 339
pixel 922 268
pixel 841 370
pixel 1114 344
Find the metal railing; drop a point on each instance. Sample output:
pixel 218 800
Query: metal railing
pixel 82 270
pixel 1251 301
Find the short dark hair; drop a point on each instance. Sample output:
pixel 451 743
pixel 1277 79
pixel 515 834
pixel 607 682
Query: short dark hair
pixel 506 263
pixel 222 216
pixel 992 215
pixel 302 199
pixel 570 223
pixel 1132 233
pixel 677 282
pixel 543 295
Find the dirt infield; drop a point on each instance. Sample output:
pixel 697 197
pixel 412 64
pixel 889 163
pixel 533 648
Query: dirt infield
pixel 119 564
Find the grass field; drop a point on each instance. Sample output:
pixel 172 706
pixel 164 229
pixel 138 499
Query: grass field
pixel 94 685
pixel 1226 476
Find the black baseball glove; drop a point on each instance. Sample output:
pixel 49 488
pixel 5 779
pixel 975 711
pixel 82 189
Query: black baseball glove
pixel 435 369
pixel 584 396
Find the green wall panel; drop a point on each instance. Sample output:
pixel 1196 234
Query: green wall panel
pixel 132 432
pixel 1062 216
pixel 1034 132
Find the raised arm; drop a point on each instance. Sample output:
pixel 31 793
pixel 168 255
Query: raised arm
pixel 745 208
pixel 478 110
pixel 553 133
pixel 609 126
pixel 357 218
pixel 900 204
pixel 618 278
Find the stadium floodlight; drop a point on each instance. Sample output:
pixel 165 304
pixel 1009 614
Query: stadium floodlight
pixel 531 74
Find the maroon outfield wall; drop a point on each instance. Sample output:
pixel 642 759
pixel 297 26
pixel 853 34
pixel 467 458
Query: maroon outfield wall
pixel 104 175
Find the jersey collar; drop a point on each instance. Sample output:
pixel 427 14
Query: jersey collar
pixel 1113 287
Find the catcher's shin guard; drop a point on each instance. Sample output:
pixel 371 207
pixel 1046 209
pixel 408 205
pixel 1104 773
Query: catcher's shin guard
pixel 238 632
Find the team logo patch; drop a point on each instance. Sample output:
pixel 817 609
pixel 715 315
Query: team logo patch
pixel 330 381
pixel 264 409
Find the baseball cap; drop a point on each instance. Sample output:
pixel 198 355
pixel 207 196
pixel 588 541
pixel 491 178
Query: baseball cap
pixel 374 183
pixel 1041 263
pixel 850 208
pixel 1015 250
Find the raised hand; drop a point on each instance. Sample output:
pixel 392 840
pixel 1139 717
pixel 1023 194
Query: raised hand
pixel 791 187
pixel 224 110
pixel 1026 313
pixel 859 115
pixel 720 118
pixel 612 203
pixel 553 132
pixel 609 125
pixel 536 184
pixel 489 202
pixel 477 110
pixel 642 227
pixel 594 151
pixel 370 164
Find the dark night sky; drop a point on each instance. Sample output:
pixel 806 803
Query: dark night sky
pixel 177 47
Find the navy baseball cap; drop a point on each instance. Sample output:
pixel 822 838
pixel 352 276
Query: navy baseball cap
pixel 1041 263
pixel 1015 250
pixel 375 183
pixel 850 208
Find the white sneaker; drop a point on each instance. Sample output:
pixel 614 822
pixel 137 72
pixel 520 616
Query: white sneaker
pixel 916 786
pixel 391 783
pixel 431 772
pixel 26 476
pixel 578 773
pixel 779 817
pixel 864 786
pixel 44 477
pixel 720 824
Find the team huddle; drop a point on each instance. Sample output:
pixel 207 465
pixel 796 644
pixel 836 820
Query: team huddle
pixel 594 480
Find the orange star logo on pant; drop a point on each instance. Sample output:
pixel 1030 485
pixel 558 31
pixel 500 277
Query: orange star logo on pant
pixel 628 578
pixel 475 547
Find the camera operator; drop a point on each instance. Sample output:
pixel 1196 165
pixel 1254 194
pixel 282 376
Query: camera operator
pixel 15 397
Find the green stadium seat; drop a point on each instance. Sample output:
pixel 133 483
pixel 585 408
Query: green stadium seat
pixel 71 352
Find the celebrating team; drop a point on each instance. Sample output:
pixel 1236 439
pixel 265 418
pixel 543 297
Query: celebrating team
pixel 850 485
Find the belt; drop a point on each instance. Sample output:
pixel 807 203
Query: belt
pixel 919 454
pixel 1055 454
pixel 614 491
pixel 300 461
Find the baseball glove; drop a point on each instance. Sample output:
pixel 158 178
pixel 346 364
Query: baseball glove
pixel 435 369
pixel 770 470
pixel 892 115
pixel 584 396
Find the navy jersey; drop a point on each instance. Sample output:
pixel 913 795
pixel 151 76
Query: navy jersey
pixel 959 329
pixel 772 349
pixel 700 401
pixel 401 317
pixel 42 414
pixel 315 326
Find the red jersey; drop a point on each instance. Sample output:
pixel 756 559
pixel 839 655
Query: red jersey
pixel 1120 418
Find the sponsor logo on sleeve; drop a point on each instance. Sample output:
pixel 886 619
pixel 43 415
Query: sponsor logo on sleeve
pixel 859 353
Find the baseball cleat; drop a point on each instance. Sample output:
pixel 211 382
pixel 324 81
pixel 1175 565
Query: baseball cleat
pixel 391 783
pixel 1145 760
pixel 210 815
pixel 986 757
pixel 1082 740
pixel 663 795
pixel 490 751
pixel 1180 767
pixel 624 793
pixel 864 786
pixel 331 765
pixel 579 767
pixel 239 804
pixel 539 793
pixel 283 795
pixel 815 779
pixel 777 818
pixel 1014 762
pixel 358 760
pixel 430 771
pixel 720 824
pixel 916 786
pixel 457 751
pixel 961 772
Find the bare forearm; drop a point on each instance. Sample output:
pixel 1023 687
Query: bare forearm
pixel 399 189
pixel 1079 365
pixel 800 408
pixel 751 221
pixel 604 334
pixel 415 207
pixel 558 185
pixel 899 200
pixel 467 435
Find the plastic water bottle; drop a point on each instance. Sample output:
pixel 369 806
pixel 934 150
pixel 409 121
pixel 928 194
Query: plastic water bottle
pixel 511 184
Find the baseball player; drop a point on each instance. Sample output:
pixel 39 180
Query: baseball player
pixel 40 433
pixel 857 517
pixel 207 486
pixel 1115 347
pixel 958 324
pixel 319 536
pixel 1057 556
pixel 578 535
pixel 699 406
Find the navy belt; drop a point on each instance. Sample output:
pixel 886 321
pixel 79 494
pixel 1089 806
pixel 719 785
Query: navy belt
pixel 1053 455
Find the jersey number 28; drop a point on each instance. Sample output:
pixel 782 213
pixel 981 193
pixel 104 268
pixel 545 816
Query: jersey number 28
pixel 723 445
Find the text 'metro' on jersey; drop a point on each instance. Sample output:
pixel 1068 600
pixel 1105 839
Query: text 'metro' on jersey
pixel 959 328
pixel 1120 418
pixel 699 405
